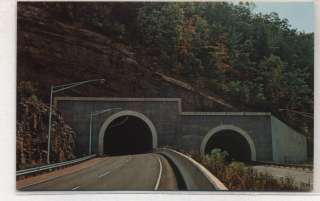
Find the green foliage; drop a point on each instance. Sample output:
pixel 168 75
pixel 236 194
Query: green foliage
pixel 237 166
pixel 216 159
pixel 218 156
pixel 34 98
pixel 26 89
pixel 271 71
pixel 238 176
pixel 160 24
pixel 255 58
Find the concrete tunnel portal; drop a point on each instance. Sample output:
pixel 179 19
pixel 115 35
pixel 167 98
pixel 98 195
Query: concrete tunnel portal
pixel 127 135
pixel 232 139
pixel 170 125
pixel 127 132
pixel 227 140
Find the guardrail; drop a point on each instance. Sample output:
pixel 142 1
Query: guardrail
pixel 52 166
pixel 195 176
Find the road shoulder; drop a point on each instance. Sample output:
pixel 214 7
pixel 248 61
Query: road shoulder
pixel 22 183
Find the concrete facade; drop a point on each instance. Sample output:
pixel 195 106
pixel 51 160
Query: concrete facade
pixel 170 126
pixel 288 145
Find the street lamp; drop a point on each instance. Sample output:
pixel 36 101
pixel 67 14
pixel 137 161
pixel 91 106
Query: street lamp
pixel 58 88
pixel 305 114
pixel 96 113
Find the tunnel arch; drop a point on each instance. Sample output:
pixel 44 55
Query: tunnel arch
pixel 110 119
pixel 236 129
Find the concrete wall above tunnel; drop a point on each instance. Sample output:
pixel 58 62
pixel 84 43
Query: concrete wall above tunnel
pixel 139 115
pixel 238 130
pixel 170 126
pixel 288 145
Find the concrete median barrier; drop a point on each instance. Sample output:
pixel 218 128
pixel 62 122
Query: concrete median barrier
pixel 196 177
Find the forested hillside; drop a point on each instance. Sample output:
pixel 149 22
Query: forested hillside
pixel 255 59
pixel 247 61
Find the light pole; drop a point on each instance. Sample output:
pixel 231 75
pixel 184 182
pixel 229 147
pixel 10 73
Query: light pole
pixel 96 113
pixel 305 114
pixel 58 88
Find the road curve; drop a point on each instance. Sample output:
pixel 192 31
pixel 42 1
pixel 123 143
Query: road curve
pixel 130 172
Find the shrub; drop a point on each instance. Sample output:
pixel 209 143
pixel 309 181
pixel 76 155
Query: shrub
pixel 237 176
pixel 26 89
pixel 34 98
pixel 216 159
pixel 218 155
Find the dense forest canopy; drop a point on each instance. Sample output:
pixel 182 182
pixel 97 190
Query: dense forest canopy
pixel 256 60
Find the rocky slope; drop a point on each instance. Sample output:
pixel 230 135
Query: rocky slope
pixel 32 138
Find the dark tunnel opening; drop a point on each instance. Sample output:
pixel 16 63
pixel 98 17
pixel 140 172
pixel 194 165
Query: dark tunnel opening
pixel 127 135
pixel 234 143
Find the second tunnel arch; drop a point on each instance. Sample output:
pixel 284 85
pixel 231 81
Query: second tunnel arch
pixel 113 117
pixel 236 129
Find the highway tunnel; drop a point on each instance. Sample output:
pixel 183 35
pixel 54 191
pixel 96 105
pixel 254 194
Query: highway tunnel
pixel 127 135
pixel 231 141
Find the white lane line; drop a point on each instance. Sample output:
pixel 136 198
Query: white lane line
pixel 121 164
pixel 104 174
pixel 56 177
pixel 117 166
pixel 75 188
pixel 159 176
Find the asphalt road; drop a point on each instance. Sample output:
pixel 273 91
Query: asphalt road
pixel 131 172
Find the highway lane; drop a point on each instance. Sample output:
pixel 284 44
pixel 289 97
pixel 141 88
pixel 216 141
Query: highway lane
pixel 130 172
